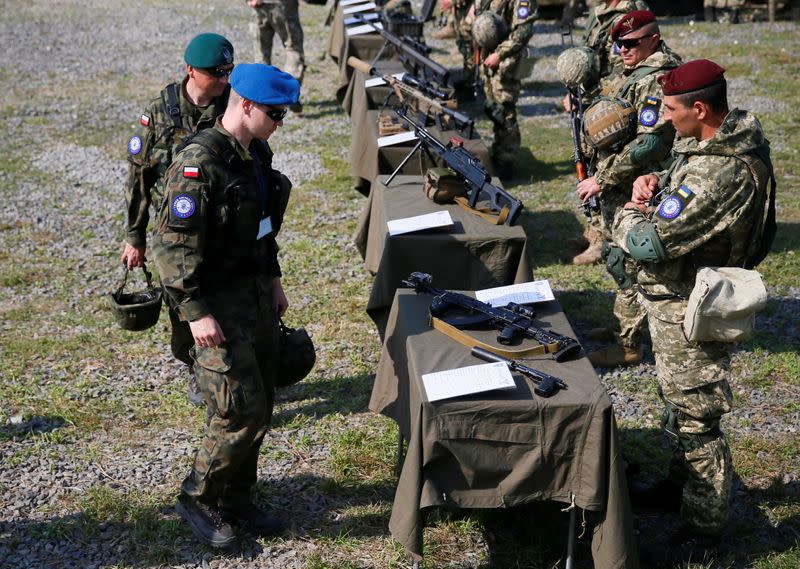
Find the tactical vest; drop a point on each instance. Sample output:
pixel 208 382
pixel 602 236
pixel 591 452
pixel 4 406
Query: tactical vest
pixel 236 208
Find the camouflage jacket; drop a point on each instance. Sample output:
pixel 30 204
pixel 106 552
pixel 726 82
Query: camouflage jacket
pixel 519 16
pixel 615 171
pixel 222 208
pixel 151 149
pixel 711 209
pixel 598 36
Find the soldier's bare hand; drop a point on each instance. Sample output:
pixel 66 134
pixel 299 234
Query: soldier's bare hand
pixel 567 103
pixel 445 5
pixel 253 3
pixel 643 188
pixel 587 189
pixel 492 61
pixel 132 257
pixel 206 332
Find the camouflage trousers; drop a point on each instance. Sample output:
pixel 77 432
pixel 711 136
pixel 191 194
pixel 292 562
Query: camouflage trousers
pixel 730 4
pixel 463 28
pixel 501 87
pixel 237 379
pixel 693 383
pixel 282 17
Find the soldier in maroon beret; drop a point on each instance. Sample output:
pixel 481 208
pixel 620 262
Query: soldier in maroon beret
pixel 706 210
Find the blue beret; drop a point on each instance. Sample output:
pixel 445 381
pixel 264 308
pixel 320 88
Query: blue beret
pixel 265 84
pixel 208 50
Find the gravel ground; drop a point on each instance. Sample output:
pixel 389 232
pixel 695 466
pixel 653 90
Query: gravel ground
pixel 53 50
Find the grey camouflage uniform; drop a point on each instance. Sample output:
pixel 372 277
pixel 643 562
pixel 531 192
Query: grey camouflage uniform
pixel 283 17
pixel 150 152
pixel 615 172
pixel 502 86
pixel 211 262
pixel 716 203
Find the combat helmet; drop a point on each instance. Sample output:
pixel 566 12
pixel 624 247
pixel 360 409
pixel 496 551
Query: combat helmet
pixel 139 310
pixel 297 355
pixel 488 30
pixel 577 66
pixel 609 123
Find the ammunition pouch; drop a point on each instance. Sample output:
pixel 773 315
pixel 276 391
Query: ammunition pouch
pixel 687 442
pixel 442 185
pixel 615 265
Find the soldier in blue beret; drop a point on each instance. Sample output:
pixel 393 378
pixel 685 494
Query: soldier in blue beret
pixel 181 109
pixel 215 249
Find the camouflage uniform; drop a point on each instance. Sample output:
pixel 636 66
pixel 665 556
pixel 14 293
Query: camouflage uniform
pixel 597 37
pixel 150 152
pixel 282 16
pixel 463 27
pixel 211 262
pixel 709 214
pixel 501 86
pixel 616 171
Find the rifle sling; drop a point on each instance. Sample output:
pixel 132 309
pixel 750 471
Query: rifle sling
pixel 463 338
pixel 484 212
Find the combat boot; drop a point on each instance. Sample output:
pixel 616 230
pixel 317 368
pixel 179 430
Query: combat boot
pixel 616 355
pixel 662 496
pixel 446 33
pixel 592 253
pixel 206 522
pixel 684 548
pixel 254 520
pixel 195 394
pixel 602 334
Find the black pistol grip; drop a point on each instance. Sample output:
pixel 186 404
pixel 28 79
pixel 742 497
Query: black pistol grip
pixel 506 335
pixel 545 388
pixel 438 306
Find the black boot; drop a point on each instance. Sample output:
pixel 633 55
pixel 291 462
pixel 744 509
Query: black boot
pixel 206 522
pixel 254 520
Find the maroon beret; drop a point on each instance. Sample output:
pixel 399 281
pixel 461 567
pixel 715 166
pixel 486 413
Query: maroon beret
pixel 632 21
pixel 691 76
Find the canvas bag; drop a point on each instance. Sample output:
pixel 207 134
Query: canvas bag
pixel 723 304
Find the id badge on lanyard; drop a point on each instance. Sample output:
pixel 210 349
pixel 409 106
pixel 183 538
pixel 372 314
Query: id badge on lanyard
pixel 264 227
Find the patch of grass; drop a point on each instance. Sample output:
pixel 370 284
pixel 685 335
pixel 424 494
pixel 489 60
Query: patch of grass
pixel 365 454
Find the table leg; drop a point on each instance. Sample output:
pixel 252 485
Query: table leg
pixel 573 515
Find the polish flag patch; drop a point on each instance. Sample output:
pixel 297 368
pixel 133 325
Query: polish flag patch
pixel 191 172
pixel 144 120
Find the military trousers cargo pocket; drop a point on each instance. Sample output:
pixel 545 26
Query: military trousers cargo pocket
pixel 224 394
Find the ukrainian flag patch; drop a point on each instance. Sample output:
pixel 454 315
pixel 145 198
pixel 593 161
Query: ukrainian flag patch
pixel 685 193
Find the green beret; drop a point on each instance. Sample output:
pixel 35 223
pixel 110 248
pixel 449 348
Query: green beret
pixel 208 50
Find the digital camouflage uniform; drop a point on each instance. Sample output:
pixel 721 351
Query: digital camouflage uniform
pixel 211 261
pixel 283 17
pixel 150 152
pixel 502 86
pixel 597 37
pixel 709 214
pixel 463 27
pixel 615 172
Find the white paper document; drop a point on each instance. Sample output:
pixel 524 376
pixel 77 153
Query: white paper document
pixel 467 380
pixel 376 81
pixel 344 3
pixel 361 30
pixel 419 222
pixel 369 17
pixel 398 138
pixel 359 8
pixel 523 293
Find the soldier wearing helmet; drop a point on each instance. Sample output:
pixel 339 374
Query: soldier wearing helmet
pixel 638 151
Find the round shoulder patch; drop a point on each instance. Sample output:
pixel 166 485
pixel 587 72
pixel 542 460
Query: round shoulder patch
pixel 648 116
pixel 135 145
pixel 183 206
pixel 523 12
pixel 670 208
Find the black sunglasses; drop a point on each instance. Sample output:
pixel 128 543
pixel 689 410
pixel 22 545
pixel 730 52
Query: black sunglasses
pixel 218 72
pixel 276 114
pixel 631 43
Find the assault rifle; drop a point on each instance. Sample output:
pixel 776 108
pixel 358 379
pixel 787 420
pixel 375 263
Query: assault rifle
pixel 427 100
pixel 477 180
pixel 415 62
pixel 581 170
pixel 546 384
pixel 513 321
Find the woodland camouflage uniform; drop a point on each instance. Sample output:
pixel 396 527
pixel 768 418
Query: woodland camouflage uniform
pixel 502 86
pixel 709 214
pixel 615 172
pixel 211 262
pixel 150 152
pixel 283 17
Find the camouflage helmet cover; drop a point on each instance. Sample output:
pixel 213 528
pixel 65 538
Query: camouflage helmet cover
pixel 577 66
pixel 488 30
pixel 609 123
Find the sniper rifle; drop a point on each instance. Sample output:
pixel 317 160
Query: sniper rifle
pixel 546 384
pixel 415 62
pixel 477 180
pixel 427 100
pixel 513 320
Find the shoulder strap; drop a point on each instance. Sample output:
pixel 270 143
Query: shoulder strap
pixel 215 142
pixel 765 228
pixel 169 95
pixel 635 75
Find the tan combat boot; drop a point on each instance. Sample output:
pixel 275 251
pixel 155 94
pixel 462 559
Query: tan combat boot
pixel 616 355
pixel 592 253
pixel 446 33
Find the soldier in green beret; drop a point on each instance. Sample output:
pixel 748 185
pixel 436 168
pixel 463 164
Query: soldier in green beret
pixel 181 109
pixel 216 251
